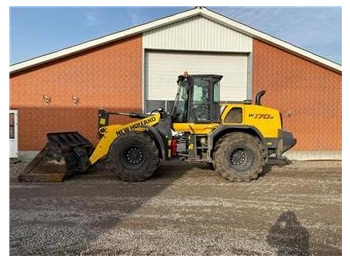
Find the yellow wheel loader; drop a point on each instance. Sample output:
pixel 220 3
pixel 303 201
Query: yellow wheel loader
pixel 235 138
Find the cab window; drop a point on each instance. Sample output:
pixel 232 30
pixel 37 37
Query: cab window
pixel 234 116
pixel 200 102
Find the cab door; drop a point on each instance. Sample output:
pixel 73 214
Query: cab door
pixel 202 110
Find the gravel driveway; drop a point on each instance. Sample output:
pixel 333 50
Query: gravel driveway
pixel 293 209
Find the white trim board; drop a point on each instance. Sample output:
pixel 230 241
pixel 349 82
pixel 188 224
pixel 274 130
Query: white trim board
pixel 313 155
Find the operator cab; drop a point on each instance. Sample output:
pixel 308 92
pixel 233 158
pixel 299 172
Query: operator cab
pixel 197 99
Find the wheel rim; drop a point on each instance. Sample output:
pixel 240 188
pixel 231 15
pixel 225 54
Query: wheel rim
pixel 241 158
pixel 133 156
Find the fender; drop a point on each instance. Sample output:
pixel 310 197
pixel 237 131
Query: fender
pixel 159 140
pixel 224 129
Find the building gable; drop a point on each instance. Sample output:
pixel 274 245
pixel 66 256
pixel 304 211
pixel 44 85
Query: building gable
pixel 195 34
pixel 154 25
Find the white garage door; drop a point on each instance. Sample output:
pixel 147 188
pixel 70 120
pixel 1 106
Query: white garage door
pixel 162 69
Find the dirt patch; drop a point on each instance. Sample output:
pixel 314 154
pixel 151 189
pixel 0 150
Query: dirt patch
pixel 293 209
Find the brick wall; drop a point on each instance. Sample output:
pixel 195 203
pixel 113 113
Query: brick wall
pixel 111 77
pixel 108 77
pixel 312 94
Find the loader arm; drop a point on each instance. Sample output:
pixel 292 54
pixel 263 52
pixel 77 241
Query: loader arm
pixel 110 133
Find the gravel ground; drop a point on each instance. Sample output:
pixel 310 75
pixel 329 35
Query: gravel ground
pixel 293 209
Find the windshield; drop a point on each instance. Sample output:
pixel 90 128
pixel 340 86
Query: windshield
pixel 179 112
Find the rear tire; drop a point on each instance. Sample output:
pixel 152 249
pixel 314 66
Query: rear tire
pixel 134 157
pixel 239 157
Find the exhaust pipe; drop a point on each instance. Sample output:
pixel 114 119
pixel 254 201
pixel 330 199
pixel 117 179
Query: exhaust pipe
pixel 258 97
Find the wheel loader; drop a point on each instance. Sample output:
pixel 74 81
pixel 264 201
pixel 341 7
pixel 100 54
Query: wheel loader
pixel 236 139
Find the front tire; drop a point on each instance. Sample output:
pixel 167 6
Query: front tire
pixel 134 157
pixel 239 157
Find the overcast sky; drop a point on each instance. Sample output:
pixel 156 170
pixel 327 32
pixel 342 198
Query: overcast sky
pixel 35 31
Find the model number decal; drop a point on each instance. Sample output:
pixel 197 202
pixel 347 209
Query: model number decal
pixel 261 116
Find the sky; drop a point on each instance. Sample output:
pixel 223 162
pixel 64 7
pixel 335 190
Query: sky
pixel 35 31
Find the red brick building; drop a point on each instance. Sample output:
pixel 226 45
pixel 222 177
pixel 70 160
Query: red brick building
pixel 136 70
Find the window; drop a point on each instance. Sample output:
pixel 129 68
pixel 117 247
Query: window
pixel 216 93
pixel 12 126
pixel 234 116
pixel 179 113
pixel 200 102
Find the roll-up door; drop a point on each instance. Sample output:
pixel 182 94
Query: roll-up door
pixel 163 68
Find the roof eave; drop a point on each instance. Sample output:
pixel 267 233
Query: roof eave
pixel 102 40
pixel 244 29
pixel 172 19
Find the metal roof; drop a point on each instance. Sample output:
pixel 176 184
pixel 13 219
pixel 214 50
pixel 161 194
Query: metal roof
pixel 198 11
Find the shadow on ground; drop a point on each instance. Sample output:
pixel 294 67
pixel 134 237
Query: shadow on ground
pixel 289 236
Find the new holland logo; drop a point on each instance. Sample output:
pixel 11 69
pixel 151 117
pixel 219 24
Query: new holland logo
pixel 144 122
